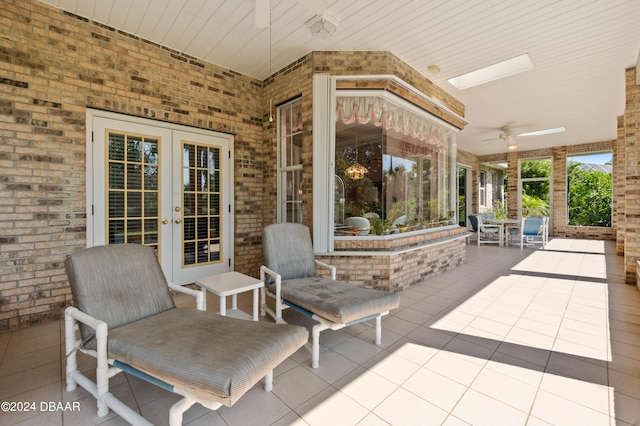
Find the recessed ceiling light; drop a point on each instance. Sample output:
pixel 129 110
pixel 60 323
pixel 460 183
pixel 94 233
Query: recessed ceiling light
pixel 493 72
pixel 544 132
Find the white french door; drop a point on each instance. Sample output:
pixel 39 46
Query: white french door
pixel 165 186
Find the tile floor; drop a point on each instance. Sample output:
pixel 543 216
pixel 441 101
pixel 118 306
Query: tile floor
pixel 509 338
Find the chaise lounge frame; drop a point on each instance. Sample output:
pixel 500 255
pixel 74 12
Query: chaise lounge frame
pixel 247 350
pixel 375 303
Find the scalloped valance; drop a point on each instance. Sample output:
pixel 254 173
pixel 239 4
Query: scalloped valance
pixel 384 113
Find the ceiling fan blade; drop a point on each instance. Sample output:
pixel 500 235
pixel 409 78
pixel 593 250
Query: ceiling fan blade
pixel 543 132
pixel 263 13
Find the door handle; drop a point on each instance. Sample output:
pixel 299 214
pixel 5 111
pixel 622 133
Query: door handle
pixel 178 220
pixel 165 220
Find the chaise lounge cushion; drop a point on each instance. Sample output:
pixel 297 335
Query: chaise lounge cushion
pixel 336 301
pixel 98 278
pixel 178 345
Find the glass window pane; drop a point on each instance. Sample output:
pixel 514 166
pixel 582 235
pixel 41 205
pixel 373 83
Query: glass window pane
pixel 151 151
pixel 116 232
pixel 214 159
pixel 295 150
pixel 116 176
pixel 189 177
pixel 134 176
pixel 189 203
pixel 214 181
pixel 189 253
pixel 202 160
pixel 189 159
pixel 134 204
pixel 134 149
pixel 150 177
pixel 214 227
pixel 214 204
pixel 535 168
pixel 150 204
pixel 116 204
pixel 396 174
pixel 189 228
pixel 116 147
pixel 590 189
pixel 203 228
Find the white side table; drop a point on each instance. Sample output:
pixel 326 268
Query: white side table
pixel 230 284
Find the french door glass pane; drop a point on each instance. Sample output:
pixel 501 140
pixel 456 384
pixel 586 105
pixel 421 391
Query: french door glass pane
pixel 132 189
pixel 201 196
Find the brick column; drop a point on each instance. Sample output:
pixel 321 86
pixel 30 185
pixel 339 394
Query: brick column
pixel 632 177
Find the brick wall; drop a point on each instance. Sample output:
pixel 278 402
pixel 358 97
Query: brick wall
pixel 52 66
pixel 559 227
pixel 618 187
pixel 632 176
pixel 390 267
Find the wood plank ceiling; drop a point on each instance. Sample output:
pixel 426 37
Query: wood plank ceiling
pixel 579 48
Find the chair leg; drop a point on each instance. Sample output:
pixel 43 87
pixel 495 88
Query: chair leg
pixel 379 330
pixel 177 410
pixel 71 350
pixel 315 348
pixel 268 381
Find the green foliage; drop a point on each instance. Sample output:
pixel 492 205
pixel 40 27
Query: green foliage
pixel 534 205
pixel 590 196
pixel 535 168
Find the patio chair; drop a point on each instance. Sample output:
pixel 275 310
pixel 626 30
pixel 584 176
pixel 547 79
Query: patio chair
pixel 533 231
pixel 485 233
pixel 290 277
pixel 129 322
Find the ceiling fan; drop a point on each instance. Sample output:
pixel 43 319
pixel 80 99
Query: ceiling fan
pixel 507 135
pixel 263 10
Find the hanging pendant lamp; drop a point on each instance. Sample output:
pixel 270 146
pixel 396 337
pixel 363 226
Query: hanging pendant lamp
pixel 356 171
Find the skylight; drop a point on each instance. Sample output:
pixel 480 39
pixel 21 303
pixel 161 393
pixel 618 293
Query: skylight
pixel 493 72
pixel 544 132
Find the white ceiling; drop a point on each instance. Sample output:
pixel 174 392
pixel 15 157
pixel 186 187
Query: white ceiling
pixel 580 50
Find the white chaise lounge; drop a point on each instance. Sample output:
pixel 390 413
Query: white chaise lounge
pixel 290 279
pixel 129 322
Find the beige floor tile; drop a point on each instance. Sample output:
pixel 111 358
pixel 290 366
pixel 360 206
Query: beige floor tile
pixel 454 367
pixel 404 408
pixel 510 337
pixel 367 388
pixel 439 390
pixel 556 410
pixel 331 407
pixel 592 395
pixel 479 409
pixel 506 389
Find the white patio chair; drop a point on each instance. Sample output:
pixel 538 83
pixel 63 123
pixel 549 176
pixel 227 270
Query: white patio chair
pixel 291 280
pixel 485 233
pixel 532 231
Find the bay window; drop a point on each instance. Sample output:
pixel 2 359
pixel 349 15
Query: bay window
pixel 392 165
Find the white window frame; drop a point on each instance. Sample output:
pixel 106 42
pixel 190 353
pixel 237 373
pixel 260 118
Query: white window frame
pixel 282 171
pixel 482 188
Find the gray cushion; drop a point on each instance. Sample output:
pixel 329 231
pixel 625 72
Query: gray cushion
pixel 287 249
pixel 118 283
pixel 213 356
pixel 337 301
